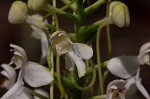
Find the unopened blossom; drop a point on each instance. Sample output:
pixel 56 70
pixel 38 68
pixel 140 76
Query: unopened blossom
pixel 116 89
pixel 33 74
pixel 18 12
pixel 75 52
pixel 119 14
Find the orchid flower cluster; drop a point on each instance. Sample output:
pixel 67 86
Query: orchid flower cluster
pixel 77 74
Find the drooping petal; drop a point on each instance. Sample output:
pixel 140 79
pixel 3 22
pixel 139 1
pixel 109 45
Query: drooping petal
pixel 10 73
pixel 116 90
pixel 44 49
pixel 82 50
pixel 140 86
pixel 81 68
pixel 11 92
pixel 39 34
pixel 69 63
pixel 37 75
pixel 42 92
pixel 131 88
pixel 123 66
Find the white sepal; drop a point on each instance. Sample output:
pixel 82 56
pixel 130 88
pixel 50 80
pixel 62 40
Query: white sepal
pixel 82 50
pixel 37 75
pixel 123 66
pixel 81 68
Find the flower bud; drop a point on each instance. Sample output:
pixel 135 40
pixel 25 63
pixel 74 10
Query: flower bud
pixel 18 12
pixel 36 5
pixel 119 14
pixel 61 41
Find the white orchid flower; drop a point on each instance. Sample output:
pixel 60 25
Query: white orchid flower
pixel 126 67
pixel 144 54
pixel 10 73
pixel 40 35
pixel 75 52
pixel 116 89
pixel 33 74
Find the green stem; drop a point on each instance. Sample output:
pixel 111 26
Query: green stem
pixel 87 87
pixel 108 31
pixel 98 55
pixel 100 97
pixel 60 86
pixel 60 12
pixel 68 5
pixel 51 69
pixel 90 9
pixel 72 6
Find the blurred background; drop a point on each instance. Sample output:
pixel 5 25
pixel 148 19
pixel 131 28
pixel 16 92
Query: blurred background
pixel 125 41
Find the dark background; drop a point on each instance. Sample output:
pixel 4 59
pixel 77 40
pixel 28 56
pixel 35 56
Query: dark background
pixel 125 41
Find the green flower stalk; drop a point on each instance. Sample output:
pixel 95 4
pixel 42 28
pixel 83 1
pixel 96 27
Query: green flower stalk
pixel 18 12
pixel 119 14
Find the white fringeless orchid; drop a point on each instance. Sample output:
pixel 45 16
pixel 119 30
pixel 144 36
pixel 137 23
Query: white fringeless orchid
pixel 40 35
pixel 128 67
pixel 116 89
pixel 74 52
pixel 33 74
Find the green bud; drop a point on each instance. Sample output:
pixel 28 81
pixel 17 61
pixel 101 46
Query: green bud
pixel 36 5
pixel 18 12
pixel 119 14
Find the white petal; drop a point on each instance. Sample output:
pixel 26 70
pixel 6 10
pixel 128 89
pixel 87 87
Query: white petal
pixel 10 73
pixel 17 87
pixel 42 92
pixel 142 89
pixel 21 94
pixel 82 50
pixel 20 50
pixel 140 86
pixel 69 63
pixel 144 50
pixel 131 88
pixel 44 48
pixel 81 68
pixel 123 66
pixel 37 75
